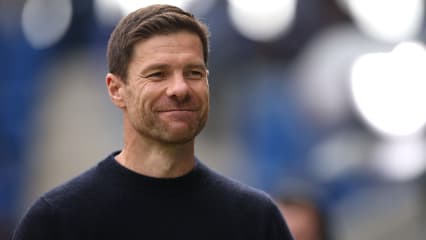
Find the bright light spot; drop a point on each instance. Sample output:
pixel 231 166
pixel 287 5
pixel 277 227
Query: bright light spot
pixel 107 12
pixel 388 20
pixel 44 22
pixel 110 11
pixel 401 160
pixel 128 6
pixel 263 20
pixel 389 89
pixel 200 7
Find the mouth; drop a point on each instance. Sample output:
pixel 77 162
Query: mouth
pixel 178 110
pixel 179 115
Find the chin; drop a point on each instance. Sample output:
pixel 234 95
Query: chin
pixel 177 140
pixel 175 133
pixel 181 137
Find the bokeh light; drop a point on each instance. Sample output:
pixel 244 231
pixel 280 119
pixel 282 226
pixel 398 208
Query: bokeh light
pixel 389 89
pixel 131 5
pixel 388 20
pixel 262 20
pixel 109 12
pixel 401 160
pixel 45 22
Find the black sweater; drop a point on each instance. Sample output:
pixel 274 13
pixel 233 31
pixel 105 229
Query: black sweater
pixel 110 201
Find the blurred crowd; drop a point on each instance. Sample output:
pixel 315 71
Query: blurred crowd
pixel 285 114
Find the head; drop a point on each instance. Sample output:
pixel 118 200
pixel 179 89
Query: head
pixel 158 74
pixel 145 23
pixel 305 219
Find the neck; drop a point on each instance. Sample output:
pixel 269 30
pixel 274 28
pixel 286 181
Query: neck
pixel 152 158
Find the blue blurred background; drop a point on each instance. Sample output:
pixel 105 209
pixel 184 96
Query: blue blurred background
pixel 322 98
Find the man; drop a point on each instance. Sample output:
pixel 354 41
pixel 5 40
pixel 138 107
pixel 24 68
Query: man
pixel 305 218
pixel 154 188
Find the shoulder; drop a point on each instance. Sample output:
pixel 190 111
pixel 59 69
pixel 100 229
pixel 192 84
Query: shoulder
pixel 37 220
pixel 238 191
pixel 254 208
pixel 43 217
pixel 84 187
pixel 73 189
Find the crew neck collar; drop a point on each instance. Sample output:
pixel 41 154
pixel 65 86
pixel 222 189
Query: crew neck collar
pixel 121 175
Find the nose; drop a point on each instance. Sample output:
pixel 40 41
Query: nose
pixel 178 88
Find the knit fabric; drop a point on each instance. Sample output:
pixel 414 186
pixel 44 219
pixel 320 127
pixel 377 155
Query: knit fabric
pixel 110 201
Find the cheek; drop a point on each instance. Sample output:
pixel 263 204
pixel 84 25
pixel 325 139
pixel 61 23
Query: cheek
pixel 134 102
pixel 203 92
pixel 138 93
pixel 207 97
pixel 143 101
pixel 132 98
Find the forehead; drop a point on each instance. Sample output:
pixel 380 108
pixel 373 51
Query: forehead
pixel 179 46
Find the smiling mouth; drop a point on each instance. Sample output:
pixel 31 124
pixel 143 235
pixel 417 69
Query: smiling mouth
pixel 179 115
pixel 178 110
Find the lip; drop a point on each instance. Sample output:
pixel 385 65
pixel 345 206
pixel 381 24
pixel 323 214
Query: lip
pixel 178 110
pixel 179 115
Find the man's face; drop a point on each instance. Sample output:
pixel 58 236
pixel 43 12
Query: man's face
pixel 166 97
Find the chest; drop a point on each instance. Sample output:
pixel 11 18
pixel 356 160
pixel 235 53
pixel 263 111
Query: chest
pixel 165 217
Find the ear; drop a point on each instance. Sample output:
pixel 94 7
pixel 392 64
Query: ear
pixel 116 91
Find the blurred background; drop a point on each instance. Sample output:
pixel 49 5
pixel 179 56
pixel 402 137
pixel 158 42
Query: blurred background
pixel 319 100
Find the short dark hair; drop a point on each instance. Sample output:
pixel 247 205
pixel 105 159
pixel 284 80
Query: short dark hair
pixel 144 23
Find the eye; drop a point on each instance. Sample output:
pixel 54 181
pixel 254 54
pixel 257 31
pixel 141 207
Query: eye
pixel 155 76
pixel 195 74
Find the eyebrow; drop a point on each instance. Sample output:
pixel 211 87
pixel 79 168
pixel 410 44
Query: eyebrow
pixel 202 66
pixel 165 66
pixel 156 66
